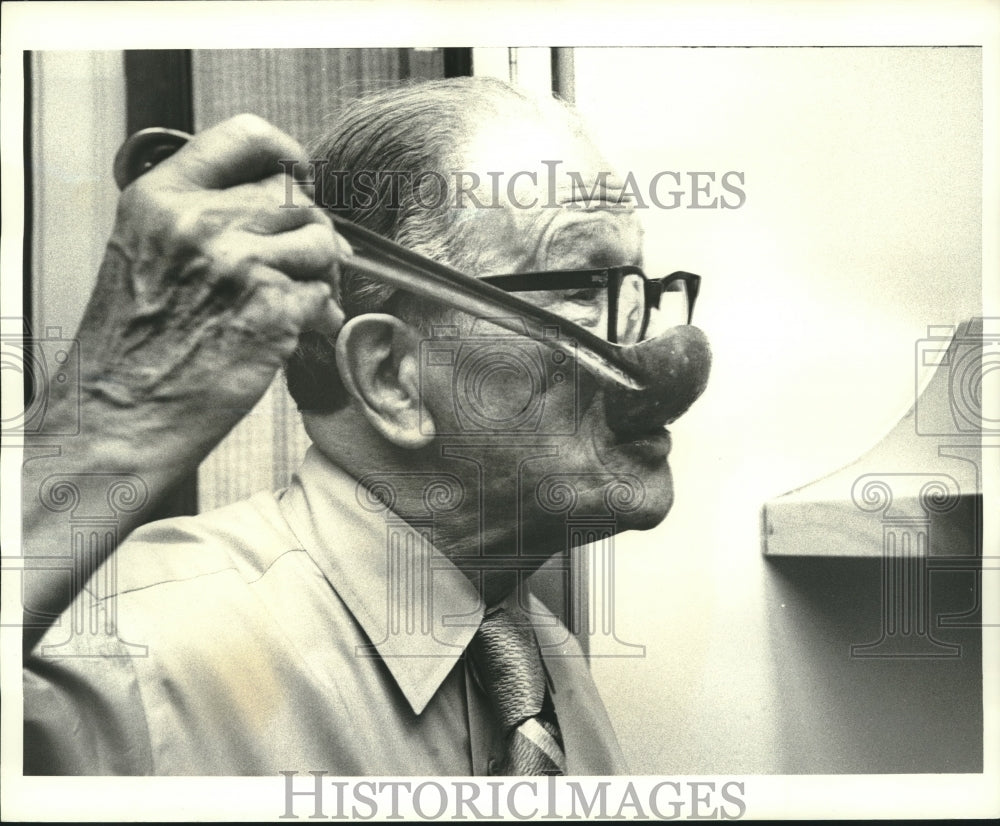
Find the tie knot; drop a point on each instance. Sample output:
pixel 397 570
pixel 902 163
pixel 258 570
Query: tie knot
pixel 505 652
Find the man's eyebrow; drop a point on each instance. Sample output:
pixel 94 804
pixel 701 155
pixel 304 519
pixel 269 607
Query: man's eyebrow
pixel 606 256
pixel 601 260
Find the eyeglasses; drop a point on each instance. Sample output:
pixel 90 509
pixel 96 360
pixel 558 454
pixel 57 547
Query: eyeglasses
pixel 616 302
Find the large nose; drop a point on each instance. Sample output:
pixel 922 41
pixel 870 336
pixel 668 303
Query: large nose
pixel 675 366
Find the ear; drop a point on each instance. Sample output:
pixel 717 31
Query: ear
pixel 378 362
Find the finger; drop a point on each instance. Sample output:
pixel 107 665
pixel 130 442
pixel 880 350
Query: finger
pixel 240 150
pixel 281 307
pixel 317 309
pixel 283 205
pixel 309 253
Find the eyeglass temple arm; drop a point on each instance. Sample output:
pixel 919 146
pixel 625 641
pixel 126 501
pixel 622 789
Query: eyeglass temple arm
pixel 393 264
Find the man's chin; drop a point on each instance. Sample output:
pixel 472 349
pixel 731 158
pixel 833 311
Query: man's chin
pixel 655 494
pixel 653 511
pixel 641 498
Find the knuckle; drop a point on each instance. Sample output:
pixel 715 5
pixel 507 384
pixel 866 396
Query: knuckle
pixel 316 254
pixel 191 227
pixel 267 306
pixel 145 195
pixel 236 260
pixel 281 191
pixel 253 126
pixel 146 210
pixel 132 201
pixel 259 135
pixel 320 239
pixel 227 260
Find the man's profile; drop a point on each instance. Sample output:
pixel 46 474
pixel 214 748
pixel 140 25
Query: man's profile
pixel 374 617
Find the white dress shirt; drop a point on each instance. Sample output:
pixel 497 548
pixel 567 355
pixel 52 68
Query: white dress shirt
pixel 300 631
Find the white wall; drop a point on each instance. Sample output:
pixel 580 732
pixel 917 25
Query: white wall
pixel 78 108
pixel 861 227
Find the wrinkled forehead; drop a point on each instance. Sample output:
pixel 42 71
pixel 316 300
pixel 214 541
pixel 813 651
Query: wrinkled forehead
pixel 541 195
pixel 544 151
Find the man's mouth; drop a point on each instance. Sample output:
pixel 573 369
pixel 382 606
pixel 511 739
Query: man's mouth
pixel 650 447
pixel 656 439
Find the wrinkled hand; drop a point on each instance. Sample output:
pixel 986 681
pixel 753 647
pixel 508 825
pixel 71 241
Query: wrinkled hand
pixel 215 265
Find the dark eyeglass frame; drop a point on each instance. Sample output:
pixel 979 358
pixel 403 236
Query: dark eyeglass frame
pixel 609 278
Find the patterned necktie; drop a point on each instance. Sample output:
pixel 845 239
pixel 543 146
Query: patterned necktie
pixel 505 652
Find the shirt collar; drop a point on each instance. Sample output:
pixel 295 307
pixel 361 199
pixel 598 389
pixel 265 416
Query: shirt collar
pixel 418 610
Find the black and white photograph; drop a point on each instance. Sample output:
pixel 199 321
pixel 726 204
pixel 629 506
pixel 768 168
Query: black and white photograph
pixel 542 411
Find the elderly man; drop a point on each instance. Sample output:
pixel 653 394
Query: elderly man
pixel 372 618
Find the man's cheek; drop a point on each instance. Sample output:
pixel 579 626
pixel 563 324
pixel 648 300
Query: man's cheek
pixel 573 409
pixel 436 403
pixel 500 387
pixel 614 501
